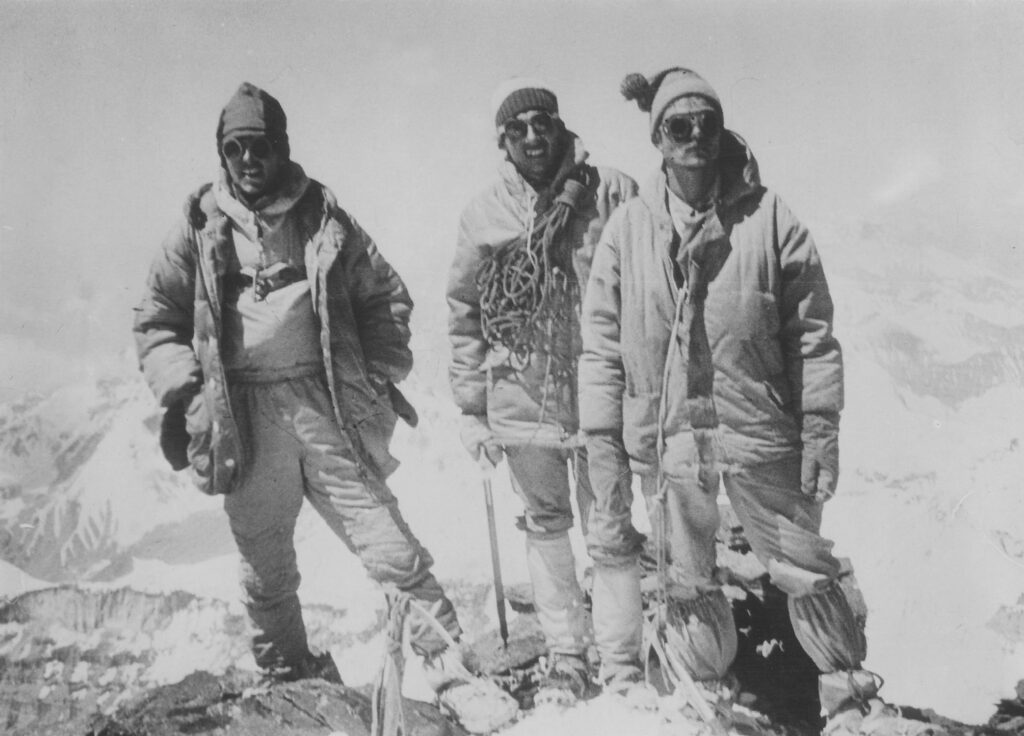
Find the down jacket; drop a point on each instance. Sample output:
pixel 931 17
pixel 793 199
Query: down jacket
pixel 522 406
pixel 361 305
pixel 767 313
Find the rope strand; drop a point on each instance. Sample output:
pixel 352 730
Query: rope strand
pixel 528 291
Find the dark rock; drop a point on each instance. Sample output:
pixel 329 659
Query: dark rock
pixel 236 704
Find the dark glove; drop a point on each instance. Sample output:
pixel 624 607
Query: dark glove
pixel 174 437
pixel 819 470
pixel 478 438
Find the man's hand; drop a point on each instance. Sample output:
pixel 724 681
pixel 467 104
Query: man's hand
pixel 478 439
pixel 819 471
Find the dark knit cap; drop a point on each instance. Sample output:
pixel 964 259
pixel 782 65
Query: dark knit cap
pixel 252 111
pixel 654 95
pixel 519 95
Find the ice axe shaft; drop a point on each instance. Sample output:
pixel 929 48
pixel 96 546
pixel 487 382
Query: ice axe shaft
pixel 499 589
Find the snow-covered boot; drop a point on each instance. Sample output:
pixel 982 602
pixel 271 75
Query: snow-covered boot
pixel 476 703
pixel 310 667
pixel 566 679
pixel 712 704
pixel 877 718
pixel 320 666
pixel 630 684
pixel 855 709
pixel 479 705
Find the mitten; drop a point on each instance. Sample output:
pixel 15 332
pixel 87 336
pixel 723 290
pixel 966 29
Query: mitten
pixel 477 437
pixel 174 437
pixel 819 471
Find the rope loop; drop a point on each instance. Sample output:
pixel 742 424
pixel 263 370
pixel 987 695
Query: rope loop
pixel 529 292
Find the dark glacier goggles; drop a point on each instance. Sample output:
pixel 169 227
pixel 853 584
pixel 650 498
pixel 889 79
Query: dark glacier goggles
pixel 680 127
pixel 542 124
pixel 259 147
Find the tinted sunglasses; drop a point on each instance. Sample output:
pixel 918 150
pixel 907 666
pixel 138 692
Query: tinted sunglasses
pixel 234 148
pixel 542 124
pixel 680 127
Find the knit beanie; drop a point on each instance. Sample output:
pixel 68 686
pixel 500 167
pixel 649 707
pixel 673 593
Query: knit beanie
pixel 654 95
pixel 252 111
pixel 520 94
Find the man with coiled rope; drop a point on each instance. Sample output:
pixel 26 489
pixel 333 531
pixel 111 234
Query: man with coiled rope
pixel 521 263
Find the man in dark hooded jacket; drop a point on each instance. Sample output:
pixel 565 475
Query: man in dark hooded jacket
pixel 274 332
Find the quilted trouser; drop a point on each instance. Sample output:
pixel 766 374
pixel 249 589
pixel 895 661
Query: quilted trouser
pixel 540 477
pixel 783 527
pixel 298 451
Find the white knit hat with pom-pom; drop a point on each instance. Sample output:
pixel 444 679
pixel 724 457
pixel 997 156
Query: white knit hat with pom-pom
pixel 654 95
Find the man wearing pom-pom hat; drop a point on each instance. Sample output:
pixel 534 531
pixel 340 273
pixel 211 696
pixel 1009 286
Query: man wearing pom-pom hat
pixel 709 361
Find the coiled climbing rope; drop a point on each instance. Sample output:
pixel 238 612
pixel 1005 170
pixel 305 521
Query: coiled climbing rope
pixel 529 291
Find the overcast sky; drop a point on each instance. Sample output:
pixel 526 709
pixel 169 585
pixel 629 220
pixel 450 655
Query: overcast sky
pixel 909 114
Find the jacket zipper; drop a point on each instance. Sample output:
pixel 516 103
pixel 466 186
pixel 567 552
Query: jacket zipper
pixel 213 292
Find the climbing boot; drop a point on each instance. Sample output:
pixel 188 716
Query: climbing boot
pixel 855 709
pixel 877 718
pixel 565 681
pixel 628 682
pixel 476 703
pixel 319 667
pixel 310 667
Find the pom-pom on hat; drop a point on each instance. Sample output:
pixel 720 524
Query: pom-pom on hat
pixel 253 111
pixel 520 94
pixel 654 95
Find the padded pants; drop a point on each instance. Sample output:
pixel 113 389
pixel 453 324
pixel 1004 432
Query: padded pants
pixel 299 452
pixel 783 527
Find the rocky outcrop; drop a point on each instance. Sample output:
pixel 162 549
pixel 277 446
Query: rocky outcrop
pixel 235 705
pixel 67 652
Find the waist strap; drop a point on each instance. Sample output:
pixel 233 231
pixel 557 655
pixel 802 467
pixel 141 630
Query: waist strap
pixel 274 375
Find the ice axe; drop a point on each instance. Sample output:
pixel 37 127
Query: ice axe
pixel 486 470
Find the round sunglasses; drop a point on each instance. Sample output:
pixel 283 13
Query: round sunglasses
pixel 680 127
pixel 235 148
pixel 542 124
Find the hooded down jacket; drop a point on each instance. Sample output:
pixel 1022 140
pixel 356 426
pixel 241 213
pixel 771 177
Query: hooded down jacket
pixel 753 282
pixel 523 406
pixel 361 305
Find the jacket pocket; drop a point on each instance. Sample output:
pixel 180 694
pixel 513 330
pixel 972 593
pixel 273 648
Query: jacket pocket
pixel 529 407
pixel 640 427
pixel 200 445
pixel 371 427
